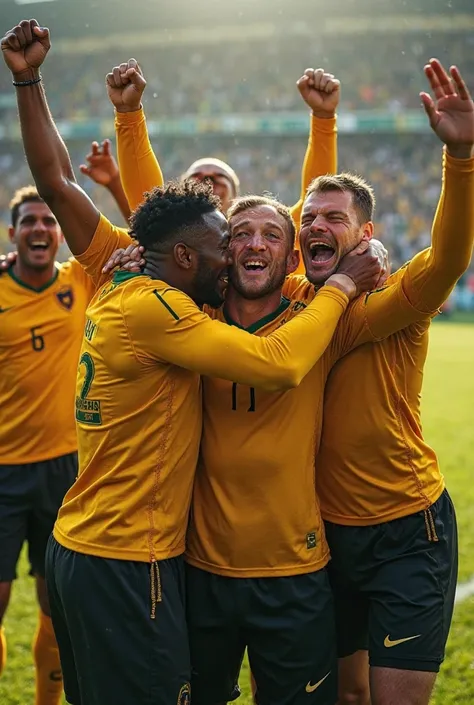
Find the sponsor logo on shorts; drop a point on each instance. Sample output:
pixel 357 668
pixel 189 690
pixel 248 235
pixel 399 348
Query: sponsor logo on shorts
pixel 184 696
pixel 311 687
pixel 388 643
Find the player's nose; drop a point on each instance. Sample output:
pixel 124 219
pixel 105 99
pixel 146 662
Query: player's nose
pixel 256 243
pixel 318 225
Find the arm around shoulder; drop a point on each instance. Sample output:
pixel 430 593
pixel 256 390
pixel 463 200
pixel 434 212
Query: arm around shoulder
pixel 166 326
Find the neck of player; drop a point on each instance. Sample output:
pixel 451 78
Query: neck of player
pixel 246 312
pixel 36 278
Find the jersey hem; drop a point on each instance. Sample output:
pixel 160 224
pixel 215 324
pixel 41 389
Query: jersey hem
pixel 122 554
pixel 258 572
pixel 28 460
pixel 418 506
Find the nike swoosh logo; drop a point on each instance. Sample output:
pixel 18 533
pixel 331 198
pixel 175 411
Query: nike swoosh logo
pixel 389 643
pixel 4 310
pixel 311 688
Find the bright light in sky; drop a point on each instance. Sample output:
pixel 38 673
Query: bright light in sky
pixel 31 2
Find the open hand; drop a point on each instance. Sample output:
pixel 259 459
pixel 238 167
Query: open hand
pixel 101 166
pixel 451 111
pixel 130 259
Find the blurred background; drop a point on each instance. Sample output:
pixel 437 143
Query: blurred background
pixel 221 81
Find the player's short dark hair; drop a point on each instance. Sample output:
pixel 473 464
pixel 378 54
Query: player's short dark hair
pixel 362 193
pixel 244 203
pixel 26 194
pixel 173 211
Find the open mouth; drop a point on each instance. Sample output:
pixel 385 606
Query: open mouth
pixel 321 252
pixel 255 265
pixel 38 245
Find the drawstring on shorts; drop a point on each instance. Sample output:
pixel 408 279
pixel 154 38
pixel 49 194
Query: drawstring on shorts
pixel 155 587
pixel 430 526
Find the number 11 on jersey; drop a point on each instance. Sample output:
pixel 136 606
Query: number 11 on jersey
pixel 251 398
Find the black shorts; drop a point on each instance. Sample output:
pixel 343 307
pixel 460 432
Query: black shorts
pixel 30 498
pixel 394 586
pixel 112 651
pixel 287 625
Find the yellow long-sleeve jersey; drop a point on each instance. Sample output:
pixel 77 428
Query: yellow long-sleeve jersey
pixel 373 463
pixel 255 511
pixel 138 404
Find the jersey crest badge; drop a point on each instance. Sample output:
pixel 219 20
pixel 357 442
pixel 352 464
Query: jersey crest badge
pixel 65 297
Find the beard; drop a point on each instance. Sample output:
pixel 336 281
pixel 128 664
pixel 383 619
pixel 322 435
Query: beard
pixel 252 290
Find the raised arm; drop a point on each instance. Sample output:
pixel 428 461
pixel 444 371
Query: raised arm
pixel 187 337
pixel 321 92
pixel 430 279
pixel 415 293
pixel 24 49
pixel 139 169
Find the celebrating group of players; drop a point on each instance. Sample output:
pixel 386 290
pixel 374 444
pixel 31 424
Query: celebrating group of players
pixel 252 472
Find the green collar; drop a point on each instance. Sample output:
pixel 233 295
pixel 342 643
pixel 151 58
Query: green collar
pixel 120 277
pixel 284 303
pixel 32 288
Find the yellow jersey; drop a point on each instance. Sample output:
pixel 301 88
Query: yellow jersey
pixel 138 406
pixel 373 463
pixel 40 340
pixel 255 511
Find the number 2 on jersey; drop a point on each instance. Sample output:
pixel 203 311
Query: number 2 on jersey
pixel 251 398
pixel 88 410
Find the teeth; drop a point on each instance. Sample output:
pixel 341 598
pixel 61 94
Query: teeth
pixel 315 245
pixel 254 263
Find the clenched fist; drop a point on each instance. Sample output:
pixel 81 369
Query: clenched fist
pixel 24 48
pixel 125 86
pixel 321 91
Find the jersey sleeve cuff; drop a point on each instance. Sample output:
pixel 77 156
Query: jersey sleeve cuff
pixel 129 118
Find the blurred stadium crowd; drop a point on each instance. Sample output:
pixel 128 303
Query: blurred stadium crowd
pixel 382 72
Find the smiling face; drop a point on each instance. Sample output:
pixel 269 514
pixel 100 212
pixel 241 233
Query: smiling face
pixel 262 251
pixel 330 228
pixel 36 235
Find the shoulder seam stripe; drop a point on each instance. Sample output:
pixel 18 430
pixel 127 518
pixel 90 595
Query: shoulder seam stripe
pixel 167 306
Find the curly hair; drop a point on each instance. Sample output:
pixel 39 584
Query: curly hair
pixel 173 211
pixel 26 194
pixel 245 203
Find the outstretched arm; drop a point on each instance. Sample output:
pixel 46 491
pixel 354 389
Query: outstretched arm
pixel 139 169
pixel 187 337
pixel 24 49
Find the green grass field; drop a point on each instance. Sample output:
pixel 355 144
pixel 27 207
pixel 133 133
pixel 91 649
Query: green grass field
pixel 448 411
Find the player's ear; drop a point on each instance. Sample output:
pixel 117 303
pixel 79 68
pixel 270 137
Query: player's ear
pixel 11 233
pixel 292 262
pixel 368 230
pixel 183 256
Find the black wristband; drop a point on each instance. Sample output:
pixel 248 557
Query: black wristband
pixel 28 83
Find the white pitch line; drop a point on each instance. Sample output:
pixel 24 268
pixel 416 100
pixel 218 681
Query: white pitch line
pixel 464 590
